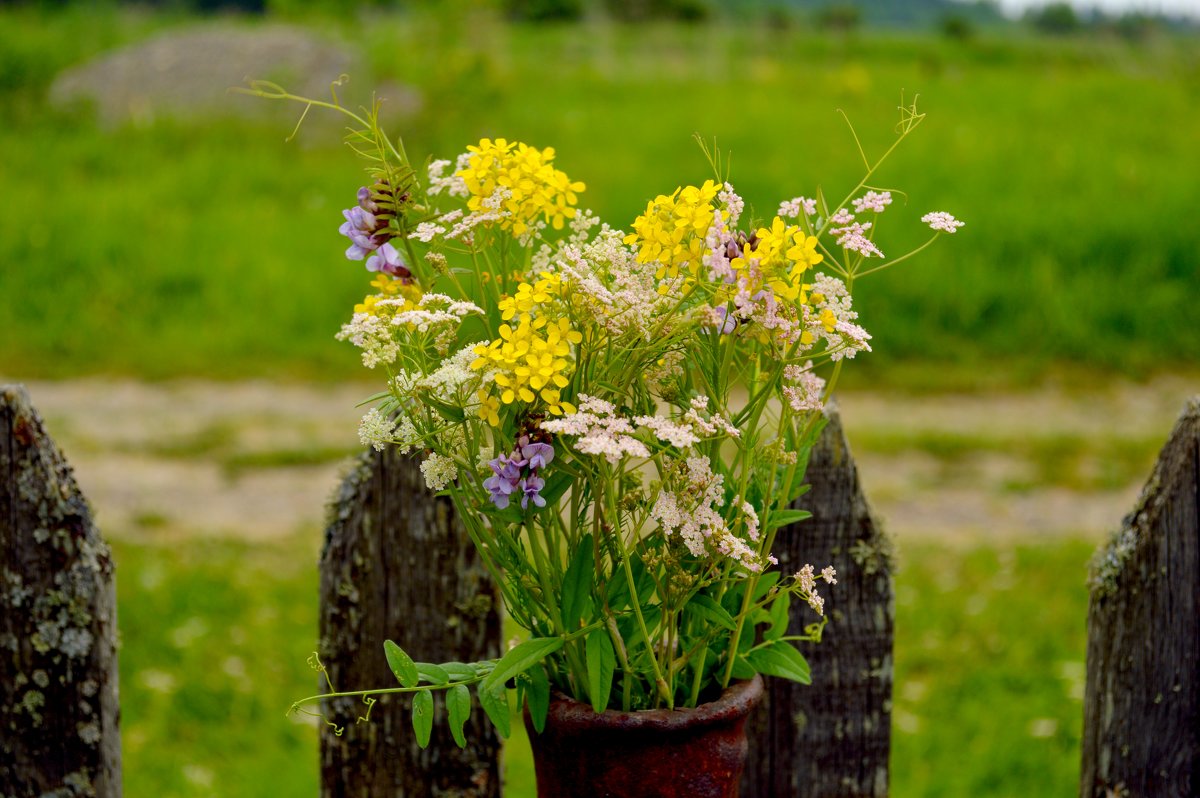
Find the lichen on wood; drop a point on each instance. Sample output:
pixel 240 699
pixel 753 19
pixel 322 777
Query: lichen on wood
pixel 833 737
pixel 398 565
pixel 1141 734
pixel 58 624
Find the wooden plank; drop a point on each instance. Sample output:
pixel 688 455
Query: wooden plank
pixel 832 738
pixel 1141 733
pixel 398 565
pixel 58 622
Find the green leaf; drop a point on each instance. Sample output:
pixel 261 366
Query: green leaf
pixel 401 664
pixel 434 674
pixel 783 660
pixel 601 662
pixel 708 609
pixel 556 485
pixel 577 584
pixel 537 695
pixel 522 658
pixel 495 705
pixel 781 518
pixel 422 716
pixel 779 617
pixel 765 583
pixel 458 707
pixel 459 671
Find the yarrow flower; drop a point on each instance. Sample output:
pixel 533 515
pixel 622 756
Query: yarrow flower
pixel 873 201
pixel 942 221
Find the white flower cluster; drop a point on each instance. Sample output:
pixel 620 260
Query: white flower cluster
pixel 873 201
pixel 452 377
pixel 439 471
pixel 599 430
pixel 806 584
pixel 942 221
pixel 452 185
pixel 376 430
pixel 797 205
pixel 373 335
pixel 806 389
pixel 693 512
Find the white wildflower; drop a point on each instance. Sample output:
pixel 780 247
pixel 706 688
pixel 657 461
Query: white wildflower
pixel 439 471
pixel 873 201
pixel 376 430
pixel 942 221
pixel 427 231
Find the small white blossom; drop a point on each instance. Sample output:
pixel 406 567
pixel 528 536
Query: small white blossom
pixel 941 221
pixel 873 201
pixel 376 430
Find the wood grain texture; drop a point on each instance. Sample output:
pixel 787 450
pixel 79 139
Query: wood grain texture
pixel 398 565
pixel 832 738
pixel 1141 733
pixel 58 622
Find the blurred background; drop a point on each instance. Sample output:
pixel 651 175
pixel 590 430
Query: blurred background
pixel 172 279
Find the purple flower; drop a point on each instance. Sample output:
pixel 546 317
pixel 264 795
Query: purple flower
pixel 359 227
pixel 537 455
pixel 532 486
pixel 365 202
pixel 506 479
pixel 388 261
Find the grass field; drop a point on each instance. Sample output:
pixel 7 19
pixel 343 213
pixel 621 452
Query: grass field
pixel 989 669
pixel 209 247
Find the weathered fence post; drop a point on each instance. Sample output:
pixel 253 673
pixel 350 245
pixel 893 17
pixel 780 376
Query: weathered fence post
pixel 398 565
pixel 58 622
pixel 832 738
pixel 1141 711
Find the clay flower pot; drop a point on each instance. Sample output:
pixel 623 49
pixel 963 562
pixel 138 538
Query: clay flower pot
pixel 692 753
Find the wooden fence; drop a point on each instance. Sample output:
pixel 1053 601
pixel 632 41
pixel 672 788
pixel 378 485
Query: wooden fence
pixel 58 688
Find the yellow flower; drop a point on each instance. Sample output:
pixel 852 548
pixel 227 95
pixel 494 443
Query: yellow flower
pixel 489 408
pixel 530 361
pixel 532 187
pixel 673 228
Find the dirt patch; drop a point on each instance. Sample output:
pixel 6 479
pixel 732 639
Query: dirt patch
pixel 258 460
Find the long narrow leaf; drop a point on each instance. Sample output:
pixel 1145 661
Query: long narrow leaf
pixel 495 705
pixel 537 695
pixel 601 662
pixel 577 584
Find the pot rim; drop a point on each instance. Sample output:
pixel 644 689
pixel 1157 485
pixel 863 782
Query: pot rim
pixel 736 702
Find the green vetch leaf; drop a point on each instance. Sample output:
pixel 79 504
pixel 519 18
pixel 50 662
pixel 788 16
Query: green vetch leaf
pixel 783 660
pixel 743 669
pixel 458 708
pixel 577 584
pixel 495 706
pixel 434 674
pixel 401 664
pixel 601 662
pixel 779 617
pixel 523 657
pixel 459 671
pixel 422 716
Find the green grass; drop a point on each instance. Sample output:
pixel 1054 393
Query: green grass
pixel 209 248
pixel 989 667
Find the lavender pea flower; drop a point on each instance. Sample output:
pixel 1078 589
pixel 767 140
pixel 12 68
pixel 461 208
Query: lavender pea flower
pixel 532 486
pixel 359 228
pixel 537 455
pixel 388 261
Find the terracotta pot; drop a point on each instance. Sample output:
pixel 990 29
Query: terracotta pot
pixel 697 753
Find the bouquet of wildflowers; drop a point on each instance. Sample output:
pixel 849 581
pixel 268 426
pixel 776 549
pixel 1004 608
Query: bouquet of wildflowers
pixel 621 417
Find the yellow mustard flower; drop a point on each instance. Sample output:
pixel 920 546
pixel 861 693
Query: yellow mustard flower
pixel 531 186
pixel 672 230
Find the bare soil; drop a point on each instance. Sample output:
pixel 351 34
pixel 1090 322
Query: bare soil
pixel 258 460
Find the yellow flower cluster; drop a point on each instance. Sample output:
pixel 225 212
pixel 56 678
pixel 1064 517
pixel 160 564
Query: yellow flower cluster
pixel 529 361
pixel 534 187
pixel 784 254
pixel 671 232
pixel 387 287
pixel 528 296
